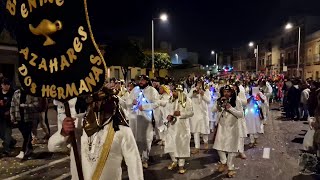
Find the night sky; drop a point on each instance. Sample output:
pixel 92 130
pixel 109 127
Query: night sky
pixel 199 25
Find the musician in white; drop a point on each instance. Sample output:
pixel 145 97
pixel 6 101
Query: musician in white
pixel 159 113
pixel 199 123
pixel 105 141
pixel 177 141
pixel 142 102
pixel 241 96
pixel 123 99
pixel 227 142
pixel 267 90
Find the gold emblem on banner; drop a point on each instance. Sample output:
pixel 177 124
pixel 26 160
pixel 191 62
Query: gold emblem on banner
pixel 46 28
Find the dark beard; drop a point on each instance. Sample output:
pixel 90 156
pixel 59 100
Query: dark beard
pixel 143 86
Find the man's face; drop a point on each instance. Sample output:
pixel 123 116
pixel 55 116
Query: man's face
pixel 161 90
pixel 142 82
pixel 155 84
pixel 117 85
pixel 5 87
pixel 199 84
pixel 227 93
pixel 130 87
pixel 112 84
pixel 175 94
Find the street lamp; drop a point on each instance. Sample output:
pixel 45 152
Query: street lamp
pixel 290 26
pixel 212 53
pixel 163 17
pixel 251 44
pixel 177 58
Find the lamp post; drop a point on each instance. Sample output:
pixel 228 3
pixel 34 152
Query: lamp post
pixel 251 44
pixel 214 53
pixel 177 58
pixel 290 26
pixel 163 17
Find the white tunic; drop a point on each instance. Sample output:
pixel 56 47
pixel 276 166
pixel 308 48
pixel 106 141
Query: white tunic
pixel 122 102
pixel 243 99
pixel 141 121
pixel 228 132
pixel 123 146
pixel 199 122
pixel 253 118
pixel 61 110
pixel 177 138
pixel 57 142
pixel 160 114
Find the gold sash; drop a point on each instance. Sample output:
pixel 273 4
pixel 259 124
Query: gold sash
pixel 104 153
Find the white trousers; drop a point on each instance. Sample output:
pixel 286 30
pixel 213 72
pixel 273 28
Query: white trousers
pixel 253 137
pixel 241 148
pixel 225 160
pixel 181 161
pixel 196 137
pixel 143 133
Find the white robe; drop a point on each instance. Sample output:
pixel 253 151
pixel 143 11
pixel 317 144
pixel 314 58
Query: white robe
pixel 199 122
pixel 159 113
pixel 57 142
pixel 243 99
pixel 267 91
pixel 253 118
pixel 141 121
pixel 123 146
pixel 122 101
pixel 228 132
pixel 177 138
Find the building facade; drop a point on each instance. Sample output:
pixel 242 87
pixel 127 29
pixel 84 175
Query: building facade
pixel 279 52
pixel 312 56
pixel 9 59
pixel 182 56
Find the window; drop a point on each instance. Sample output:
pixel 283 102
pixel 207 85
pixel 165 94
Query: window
pixel 269 60
pixel 138 72
pixel 309 55
pixel 289 58
pixel 117 73
pixel 295 55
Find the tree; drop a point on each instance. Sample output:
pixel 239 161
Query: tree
pixel 125 54
pixel 161 61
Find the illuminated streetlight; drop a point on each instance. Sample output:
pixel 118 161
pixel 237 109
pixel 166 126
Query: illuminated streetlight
pixel 251 44
pixel 177 58
pixel 212 52
pixel 290 26
pixel 163 17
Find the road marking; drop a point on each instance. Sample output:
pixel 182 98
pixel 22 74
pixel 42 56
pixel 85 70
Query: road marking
pixel 63 176
pixel 37 168
pixel 266 153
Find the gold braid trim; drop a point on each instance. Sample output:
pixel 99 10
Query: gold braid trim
pixel 104 153
pixel 93 40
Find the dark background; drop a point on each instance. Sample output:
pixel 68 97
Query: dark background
pixel 200 25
